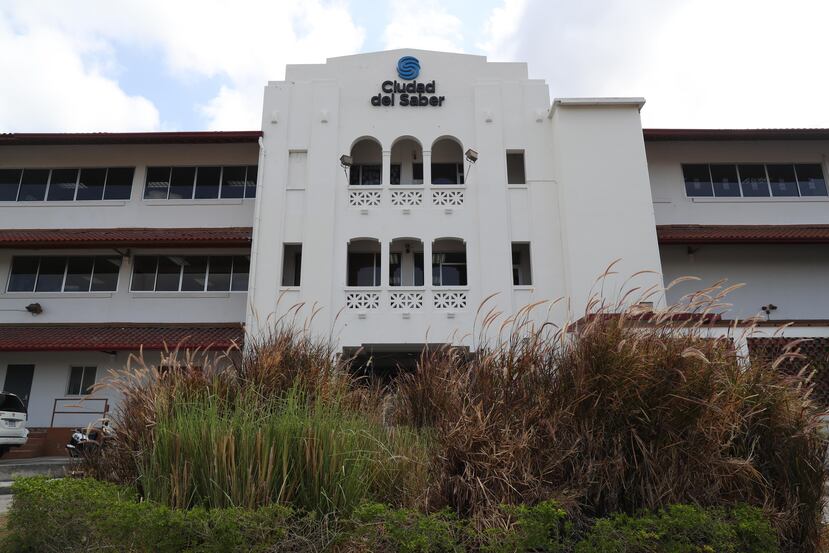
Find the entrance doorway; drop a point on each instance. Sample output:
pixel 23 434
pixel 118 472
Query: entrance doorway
pixel 19 381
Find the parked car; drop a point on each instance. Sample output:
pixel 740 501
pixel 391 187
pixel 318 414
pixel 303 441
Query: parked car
pixel 13 431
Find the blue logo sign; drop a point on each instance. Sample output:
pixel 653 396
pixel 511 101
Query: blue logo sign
pixel 408 67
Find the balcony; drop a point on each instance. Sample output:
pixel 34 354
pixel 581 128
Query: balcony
pixel 406 196
pixel 406 299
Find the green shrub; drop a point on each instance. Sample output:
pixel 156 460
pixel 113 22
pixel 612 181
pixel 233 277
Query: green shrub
pixel 683 529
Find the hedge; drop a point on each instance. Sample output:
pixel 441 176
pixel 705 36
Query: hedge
pixel 74 515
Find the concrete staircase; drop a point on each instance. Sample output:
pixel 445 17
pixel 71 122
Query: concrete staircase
pixel 33 448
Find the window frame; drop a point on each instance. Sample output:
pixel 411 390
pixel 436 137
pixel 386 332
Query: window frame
pixel 196 168
pixel 74 199
pixel 81 389
pixel 178 290
pixel 63 290
pixel 771 197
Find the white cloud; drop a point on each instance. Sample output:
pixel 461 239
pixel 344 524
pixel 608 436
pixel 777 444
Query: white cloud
pixel 699 63
pixel 49 87
pixel 245 43
pixel 424 23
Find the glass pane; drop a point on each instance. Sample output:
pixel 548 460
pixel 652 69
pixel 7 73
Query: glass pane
pixel 395 270
pixel 250 187
pixel 75 377
pixel 195 273
pixel 753 180
pixel 143 273
pixel 782 180
pixel 91 184
pixel 169 274
pixel 9 182
pixel 119 183
pixel 24 274
pixel 158 182
pixel 62 185
pixel 354 174
pixel 418 267
pixel 417 173
pixel 78 274
pixel 219 278
pixel 50 277
pixel 233 182
pixel 697 181
pixel 362 270
pixel 181 183
pixel 725 181
pixel 394 174
pixel 444 173
pixel 105 277
pixel 88 380
pixel 207 182
pixel 372 174
pixel 33 185
pixel 515 168
pixel 810 179
pixel 453 275
pixel 241 268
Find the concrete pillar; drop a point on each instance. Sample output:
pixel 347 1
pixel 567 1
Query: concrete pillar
pixel 427 167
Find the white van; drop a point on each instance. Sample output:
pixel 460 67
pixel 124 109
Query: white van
pixel 13 431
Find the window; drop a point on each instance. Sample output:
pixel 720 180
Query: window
pixel 64 274
pixel 65 185
pixel 365 174
pixel 515 168
pixel 447 173
pixel 406 262
pixel 521 266
pixel 81 380
pixel 291 264
pixel 448 262
pixel 190 273
pixel 200 183
pixel 367 163
pixel 754 180
pixel 364 269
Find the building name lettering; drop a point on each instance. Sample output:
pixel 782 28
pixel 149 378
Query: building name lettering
pixel 407 94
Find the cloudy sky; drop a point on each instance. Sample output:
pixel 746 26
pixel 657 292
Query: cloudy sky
pixel 103 65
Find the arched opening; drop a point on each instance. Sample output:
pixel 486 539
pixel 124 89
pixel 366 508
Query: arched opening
pixel 363 265
pixel 449 262
pixel 447 162
pixel 406 262
pixel 406 162
pixel 366 163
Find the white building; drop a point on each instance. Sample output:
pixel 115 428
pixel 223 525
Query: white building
pixel 396 191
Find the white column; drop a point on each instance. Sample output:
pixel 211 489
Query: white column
pixel 427 262
pixel 427 167
pixel 386 179
pixel 384 263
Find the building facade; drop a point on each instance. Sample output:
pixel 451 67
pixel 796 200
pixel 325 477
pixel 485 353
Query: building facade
pixel 392 194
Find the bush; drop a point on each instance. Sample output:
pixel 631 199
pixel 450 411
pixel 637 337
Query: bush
pixel 88 515
pixel 618 413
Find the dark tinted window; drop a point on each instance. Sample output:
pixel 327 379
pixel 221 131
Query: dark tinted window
pixel 105 277
pixel 220 269
pixel 169 274
pixel 810 179
pixel 233 182
pixel 363 269
pixel 753 180
pixel 417 172
pixel 79 274
pixel 207 182
pixel 394 173
pixel 24 274
pixel 181 182
pixel 50 276
pixel 9 183
pixel 62 185
pixel 782 180
pixel 158 183
pixel 81 380
pixel 697 180
pixel 250 187
pixel 195 272
pixel 515 168
pixel 241 268
pixel 91 184
pixel 119 183
pixel 33 185
pixel 143 273
pixel 725 181
pixel 445 173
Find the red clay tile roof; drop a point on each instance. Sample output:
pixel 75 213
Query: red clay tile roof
pixel 197 137
pixel 660 135
pixel 742 234
pixel 126 237
pixel 118 337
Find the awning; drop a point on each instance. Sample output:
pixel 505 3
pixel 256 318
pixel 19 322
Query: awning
pixel 742 234
pixel 119 337
pixel 126 237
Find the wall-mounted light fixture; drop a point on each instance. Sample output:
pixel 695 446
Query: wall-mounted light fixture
pixel 34 308
pixel 471 155
pixel 767 309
